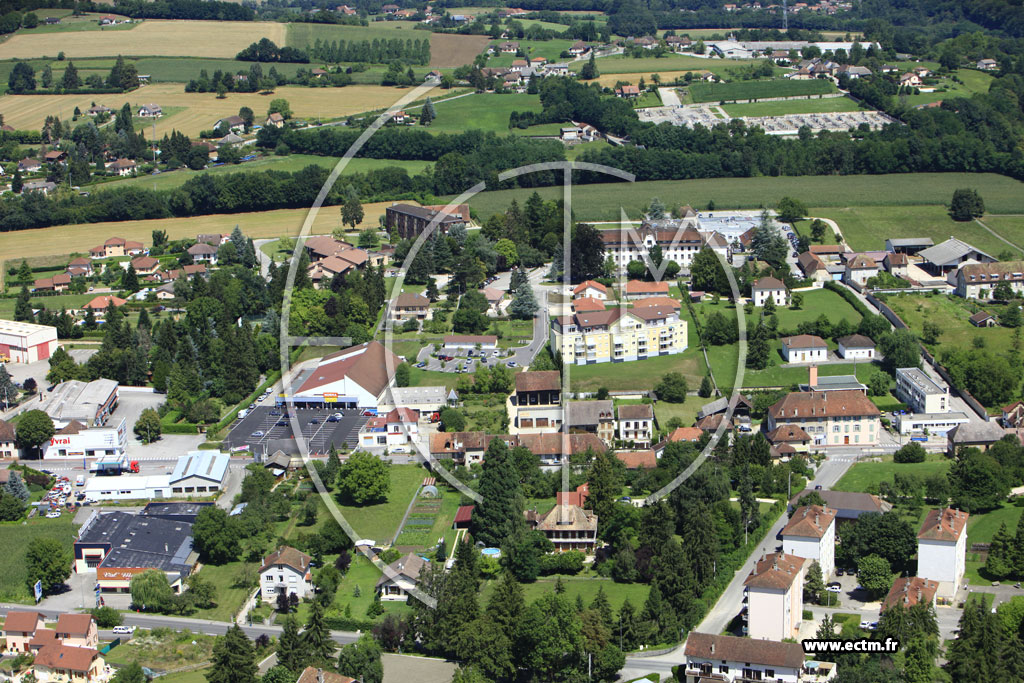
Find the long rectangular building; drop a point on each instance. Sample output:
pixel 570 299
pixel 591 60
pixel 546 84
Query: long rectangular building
pixel 617 335
pixel 26 342
pixel 410 220
pixel 831 418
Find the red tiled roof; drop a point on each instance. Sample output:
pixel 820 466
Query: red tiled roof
pixel 909 591
pixel 788 433
pixel 686 434
pixel 56 656
pixel 665 301
pixel 640 287
pixel 587 304
pixel 464 514
pixel 804 341
pixel 634 460
pixel 776 571
pixel 734 649
pixel 943 525
pixel 587 284
pixel 372 368
pixel 542 380
pixel 811 521
pixel 22 622
pixel 100 303
pixel 289 557
pixel 74 624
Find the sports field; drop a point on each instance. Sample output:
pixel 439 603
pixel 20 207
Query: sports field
pixel 199 111
pixel 602 201
pixel 284 222
pixel 780 108
pixel 753 90
pixel 152 37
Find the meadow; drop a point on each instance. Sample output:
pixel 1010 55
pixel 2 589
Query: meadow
pixel 380 521
pixel 488 112
pixel 89 21
pixel 953 312
pixel 753 90
pixel 865 475
pixel 601 201
pixel 151 37
pixel 674 62
pixel 781 108
pixel 199 111
pixel 15 538
pixel 972 81
pixel 550 50
pixel 446 50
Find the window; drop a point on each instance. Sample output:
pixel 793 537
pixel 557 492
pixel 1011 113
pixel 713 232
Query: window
pixel 835 428
pixel 723 668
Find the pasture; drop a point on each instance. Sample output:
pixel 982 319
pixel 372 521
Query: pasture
pixel 601 201
pixel 753 90
pixel 256 224
pixel 863 476
pixel 487 112
pixel 815 106
pixel 151 37
pixel 89 21
pixel 15 537
pixel 199 111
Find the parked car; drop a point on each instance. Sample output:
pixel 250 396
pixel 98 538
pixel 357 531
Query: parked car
pixel 332 418
pixel 257 434
pixel 123 630
pixel 840 571
pixel 511 363
pixel 53 515
pixel 314 421
pixel 834 587
pixel 275 412
pixel 421 365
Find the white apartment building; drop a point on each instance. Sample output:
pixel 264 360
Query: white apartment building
pixel 811 534
pixel 536 407
pixel 920 393
pixel 619 334
pixel 942 549
pixel 775 597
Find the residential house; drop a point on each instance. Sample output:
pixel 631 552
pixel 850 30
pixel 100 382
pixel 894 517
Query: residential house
pixel 519 65
pixel 910 79
pixel 44 186
pixel 57 283
pixel 55 156
pixel 203 253
pixel 908 591
pixel 811 534
pixel 1013 416
pixel 849 506
pixel 915 388
pixel 577 497
pixel 122 167
pixel 578 48
pixel 769 288
pixel 27 165
pixel 813 267
pixel 731 659
pixel 494 298
pixel 509 47
pixel 636 424
pixel 80 266
pixel 983 319
pixel 638 460
pixel 775 597
pixel 322 246
pixel 8 444
pixel 896 264
pixel 232 124
pixel 831 418
pixel 462 448
pixel 860 269
pixel 409 306
pixel 591 289
pixel 556 69
pixel 287 571
pixel 987 64
pixel 856 347
pixel 594 417
pixel 638 289
pixel 101 303
pixel 275 120
pixel 400 578
pixel 628 91
pixel 20 627
pixel 569 527
pixel 394 431
pixel 314 675
pixel 389 8
pixel 150 111
pixel 145 265
pixel 77 630
pixel 619 335
pixel 214 239
pixel 977 280
pixel 116 246
pixel 804 348
pixel 230 140
pixel 791 435
pixel 942 549
pixel 97 109
pixel 59 663
pixel 536 403
pixel 587 305
pixel 692 434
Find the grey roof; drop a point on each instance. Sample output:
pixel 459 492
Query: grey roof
pixel 176 512
pixel 211 465
pixel 141 541
pixel 848 504
pixel 950 252
pixel 920 379
pixel 839 383
pixel 910 241
pixel 935 417
pixel 76 400
pixel 857 341
pixel 719 405
pixel 413 396
pixel 976 432
pixel 587 413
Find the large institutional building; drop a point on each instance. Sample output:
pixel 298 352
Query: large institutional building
pixel 619 334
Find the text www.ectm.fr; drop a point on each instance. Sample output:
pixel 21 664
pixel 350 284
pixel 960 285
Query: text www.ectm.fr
pixel 859 645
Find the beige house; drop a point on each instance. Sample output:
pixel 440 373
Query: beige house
pixel 400 578
pixel 775 597
pixel 77 630
pixel 860 269
pixel 591 289
pixel 570 527
pixel 831 418
pixel 977 280
pixel 636 424
pixel 20 628
pixel 68 664
pixel 409 306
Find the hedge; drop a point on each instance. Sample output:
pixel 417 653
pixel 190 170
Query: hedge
pixel 850 297
pixel 348 624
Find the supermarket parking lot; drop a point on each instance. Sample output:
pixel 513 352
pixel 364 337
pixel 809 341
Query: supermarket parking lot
pixel 267 425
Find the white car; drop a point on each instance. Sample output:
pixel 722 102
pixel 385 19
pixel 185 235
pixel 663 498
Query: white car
pixel 123 630
pixel 53 515
pixel 834 588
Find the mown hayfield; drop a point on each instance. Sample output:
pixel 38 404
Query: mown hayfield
pixel 755 90
pixel 199 111
pixel 280 223
pixel 609 80
pixel 602 201
pixel 488 112
pixel 151 37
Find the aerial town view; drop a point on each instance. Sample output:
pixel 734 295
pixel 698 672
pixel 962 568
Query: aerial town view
pixel 429 341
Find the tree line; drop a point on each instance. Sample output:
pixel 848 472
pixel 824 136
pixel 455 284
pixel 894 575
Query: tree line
pixel 376 51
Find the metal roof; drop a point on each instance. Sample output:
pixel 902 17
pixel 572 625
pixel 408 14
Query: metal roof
pixel 950 252
pixel 210 465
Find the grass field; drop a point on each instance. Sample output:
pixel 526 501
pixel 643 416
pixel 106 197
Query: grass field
pixel 15 538
pixel 380 521
pixel 621 64
pixel 152 37
pixel 550 50
pixel 257 224
pixel 601 201
pixel 815 106
pixel 446 50
pixel 488 112
pixel 293 162
pixel 640 374
pixel 867 474
pixel 972 81
pixel 167 650
pixel 980 529
pixel 230 595
pixel 610 79
pixel 199 111
pixel 753 90
pixel 580 585
pixel 89 21
pixel 1009 227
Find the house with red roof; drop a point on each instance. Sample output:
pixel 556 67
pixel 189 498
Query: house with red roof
pixel 286 570
pixel 394 431
pixel 942 549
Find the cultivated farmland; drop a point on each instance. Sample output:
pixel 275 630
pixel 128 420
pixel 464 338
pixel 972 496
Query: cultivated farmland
pixel 446 50
pixel 152 37
pixel 755 90
pixel 199 111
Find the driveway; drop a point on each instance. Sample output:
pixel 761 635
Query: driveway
pixel 669 97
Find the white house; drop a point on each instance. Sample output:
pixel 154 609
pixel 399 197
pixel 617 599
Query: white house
pixel 731 659
pixel 636 424
pixel 856 347
pixel 203 253
pixel 589 288
pixel 942 549
pixel 775 597
pixel 811 534
pixel 394 431
pixel 769 288
pixel 860 269
pixel 400 577
pixel 286 570
pixel 804 348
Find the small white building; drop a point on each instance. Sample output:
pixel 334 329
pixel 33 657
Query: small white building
pixel 769 288
pixel 811 534
pixel 199 472
pixel 636 424
pixel 733 660
pixel 589 288
pixel 26 342
pixel 286 570
pixel 804 348
pixel 856 347
pixel 395 431
pixel 469 342
pixel 75 440
pixel 400 578
pixel 775 597
pixel 942 549
pixel 860 269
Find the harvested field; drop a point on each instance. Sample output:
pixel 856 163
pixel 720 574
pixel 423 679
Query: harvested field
pixel 153 37
pixel 281 223
pixel 609 80
pixel 199 111
pixel 452 50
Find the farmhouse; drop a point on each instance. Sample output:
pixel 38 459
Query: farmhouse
pixel 976 280
pixel 896 264
pixel 775 597
pixel 942 549
pixel 287 571
pixel 860 269
pixel 804 348
pixel 908 245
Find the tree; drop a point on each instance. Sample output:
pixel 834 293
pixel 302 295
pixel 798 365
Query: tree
pixel 790 210
pixel 8 390
pixel 16 487
pixel 151 592
pixel 280 106
pixel 364 478
pixel 352 212
pixel 130 673
pixel 672 388
pixel 428 113
pixel 818 228
pixel 123 75
pixel 247 116
pixel 70 80
pixel 930 332
pixel 498 515
pixel 22 78
pixel 885 535
pixel 23 306
pixel 147 427
pixel 48 561
pixel 814 586
pixel 316 638
pixel 706 387
pixel 524 306
pixel 900 350
pixel 233 659
pixel 215 536
pixel 707 274
pixel 402 373
pixel 966 205
pixel 912 452
pixel 361 660
pixel 34 429
pixel 17 183
pixel 977 482
pixel 1000 562
pixel 452 420
pixel 106 617
pixel 758 349
pixel 875 575
pixel 589 71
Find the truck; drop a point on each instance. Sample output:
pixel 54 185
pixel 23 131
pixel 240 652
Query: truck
pixel 114 466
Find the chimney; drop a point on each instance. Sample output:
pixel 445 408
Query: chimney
pixel 813 379
pixel 319 676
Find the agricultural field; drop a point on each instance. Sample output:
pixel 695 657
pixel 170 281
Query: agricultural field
pixel 608 80
pixel 151 37
pixel 675 62
pixel 816 106
pixel 256 224
pixel 294 162
pixel 446 50
pixel 753 90
pixel 602 201
pixel 199 111
pixel 90 21
pixel 488 112
pixel 867 227
pixel 15 538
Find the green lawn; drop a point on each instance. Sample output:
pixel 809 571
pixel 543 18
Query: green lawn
pixel 548 49
pixel 487 112
pixel 228 589
pixel 867 227
pixel 15 538
pixel 433 378
pixel 980 529
pixel 867 474
pixel 639 374
pixel 380 521
pixel 585 586
pixel 602 201
pixel 1009 227
pixel 973 81
pixel 621 64
pixel 752 90
pixel 687 412
pixel 53 303
pixel 290 163
pixel 816 106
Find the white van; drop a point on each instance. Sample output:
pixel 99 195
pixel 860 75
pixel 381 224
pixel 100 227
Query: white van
pixel 242 413
pixel 80 480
